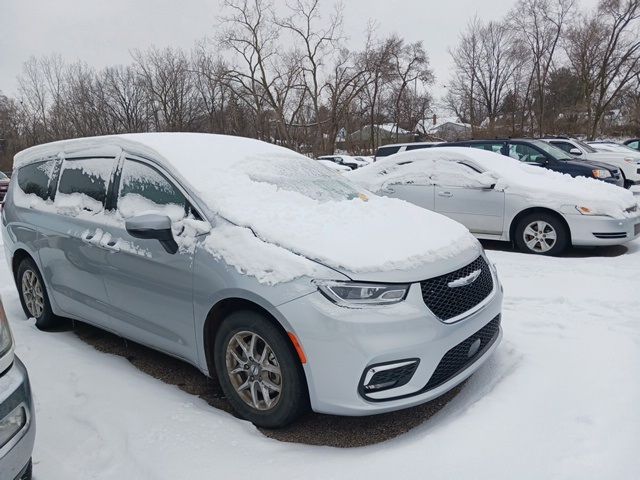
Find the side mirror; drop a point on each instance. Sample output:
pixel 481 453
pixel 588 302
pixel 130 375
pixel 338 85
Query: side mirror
pixel 153 226
pixel 575 151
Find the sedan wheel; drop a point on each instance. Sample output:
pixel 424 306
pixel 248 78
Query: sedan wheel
pixel 254 370
pixel 542 233
pixel 540 236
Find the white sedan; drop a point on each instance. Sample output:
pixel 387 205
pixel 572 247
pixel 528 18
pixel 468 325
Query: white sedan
pixel 500 198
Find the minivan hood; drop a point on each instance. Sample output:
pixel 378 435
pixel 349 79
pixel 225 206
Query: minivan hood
pixel 289 201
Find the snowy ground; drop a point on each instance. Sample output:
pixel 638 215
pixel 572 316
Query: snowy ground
pixel 558 400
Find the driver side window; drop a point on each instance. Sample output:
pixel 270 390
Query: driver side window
pixel 143 189
pixel 525 153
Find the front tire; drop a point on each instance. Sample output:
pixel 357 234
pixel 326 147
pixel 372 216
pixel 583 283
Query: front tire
pixel 33 295
pixel 259 370
pixel 541 234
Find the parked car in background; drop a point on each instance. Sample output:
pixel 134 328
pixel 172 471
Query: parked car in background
pixel 245 259
pixel 633 143
pixel 334 166
pixel 346 160
pixel 4 185
pixel 17 421
pixel 628 162
pixel 500 198
pixel 542 154
pixel 386 150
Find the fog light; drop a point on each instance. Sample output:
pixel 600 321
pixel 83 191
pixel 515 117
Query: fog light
pixel 12 424
pixel 388 375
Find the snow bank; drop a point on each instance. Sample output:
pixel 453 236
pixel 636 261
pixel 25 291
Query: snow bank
pixel 541 186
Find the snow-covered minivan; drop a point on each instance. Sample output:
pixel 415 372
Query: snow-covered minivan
pixel 288 283
pixel 500 198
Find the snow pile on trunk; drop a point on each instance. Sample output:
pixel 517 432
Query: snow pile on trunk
pixel 541 186
pixel 291 201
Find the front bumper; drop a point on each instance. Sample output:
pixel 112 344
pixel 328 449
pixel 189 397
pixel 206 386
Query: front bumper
pixel 587 230
pixel 341 343
pixel 15 392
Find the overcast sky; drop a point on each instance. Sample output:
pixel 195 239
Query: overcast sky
pixel 102 32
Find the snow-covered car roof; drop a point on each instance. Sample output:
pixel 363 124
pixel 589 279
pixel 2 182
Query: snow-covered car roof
pixel 544 187
pixel 291 201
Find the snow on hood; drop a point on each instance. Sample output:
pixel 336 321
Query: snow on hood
pixel 291 201
pixel 541 186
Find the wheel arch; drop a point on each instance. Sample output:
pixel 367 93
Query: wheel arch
pixel 18 256
pixel 225 307
pixel 527 211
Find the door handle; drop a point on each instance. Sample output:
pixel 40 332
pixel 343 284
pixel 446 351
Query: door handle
pixel 445 194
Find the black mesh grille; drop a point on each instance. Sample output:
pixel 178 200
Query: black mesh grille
pixel 458 358
pixel 446 302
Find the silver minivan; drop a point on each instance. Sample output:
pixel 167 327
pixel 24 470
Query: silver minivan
pixel 293 287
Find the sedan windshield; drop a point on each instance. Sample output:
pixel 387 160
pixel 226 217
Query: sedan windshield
pixel 303 176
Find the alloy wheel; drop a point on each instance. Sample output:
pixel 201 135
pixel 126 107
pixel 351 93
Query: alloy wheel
pixel 540 236
pixel 254 370
pixel 32 293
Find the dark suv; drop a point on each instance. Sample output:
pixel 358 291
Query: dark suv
pixel 537 152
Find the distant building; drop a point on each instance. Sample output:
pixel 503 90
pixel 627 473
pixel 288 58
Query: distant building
pixel 444 128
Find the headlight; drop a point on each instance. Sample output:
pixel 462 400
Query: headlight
pixel 600 173
pixel 6 341
pixel 349 294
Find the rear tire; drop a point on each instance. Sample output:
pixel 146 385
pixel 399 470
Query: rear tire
pixel 541 234
pixel 33 295
pixel 259 370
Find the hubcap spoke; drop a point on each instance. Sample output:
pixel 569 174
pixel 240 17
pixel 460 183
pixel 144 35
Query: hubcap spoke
pixel 253 370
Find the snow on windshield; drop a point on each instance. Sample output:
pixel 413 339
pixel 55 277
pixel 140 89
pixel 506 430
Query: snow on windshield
pixel 290 201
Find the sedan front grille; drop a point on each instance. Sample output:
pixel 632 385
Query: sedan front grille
pixel 464 354
pixel 455 293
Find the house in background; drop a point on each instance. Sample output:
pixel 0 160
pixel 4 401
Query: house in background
pixel 444 128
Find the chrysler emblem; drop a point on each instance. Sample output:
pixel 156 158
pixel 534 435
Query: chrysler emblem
pixel 464 281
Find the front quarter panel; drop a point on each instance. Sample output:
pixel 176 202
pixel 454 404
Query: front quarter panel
pixel 214 281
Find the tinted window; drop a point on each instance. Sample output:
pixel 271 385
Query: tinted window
pixel 386 151
pixel 35 178
pixel 495 147
pixel 565 146
pixel 635 145
pixel 89 176
pixel 525 153
pixel 417 147
pixel 143 188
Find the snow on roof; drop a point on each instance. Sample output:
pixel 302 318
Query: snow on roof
pixel 292 201
pixel 542 186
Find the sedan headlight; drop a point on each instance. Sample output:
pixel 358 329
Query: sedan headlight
pixel 354 294
pixel 6 341
pixel 600 173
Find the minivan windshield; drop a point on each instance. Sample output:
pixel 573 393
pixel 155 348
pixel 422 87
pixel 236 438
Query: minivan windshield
pixel 303 176
pixel 551 150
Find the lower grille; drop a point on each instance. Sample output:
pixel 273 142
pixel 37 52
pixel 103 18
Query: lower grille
pixel 464 354
pixel 610 235
pixel 448 296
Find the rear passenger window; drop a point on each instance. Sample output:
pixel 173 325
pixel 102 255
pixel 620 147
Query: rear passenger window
pixel 386 151
pixel 143 189
pixel 489 147
pixel 34 179
pixel 83 184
